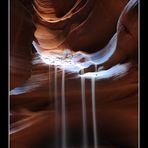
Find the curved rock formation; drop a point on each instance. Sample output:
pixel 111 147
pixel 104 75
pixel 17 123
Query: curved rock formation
pixel 87 26
pixel 22 29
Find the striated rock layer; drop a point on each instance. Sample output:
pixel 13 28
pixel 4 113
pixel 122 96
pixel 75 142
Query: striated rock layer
pixel 87 26
pixel 21 36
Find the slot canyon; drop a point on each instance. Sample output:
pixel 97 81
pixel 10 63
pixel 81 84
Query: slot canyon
pixel 74 73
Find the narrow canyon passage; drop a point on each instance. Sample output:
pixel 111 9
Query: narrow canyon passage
pixel 74 74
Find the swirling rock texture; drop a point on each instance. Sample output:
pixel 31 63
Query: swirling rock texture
pixel 20 53
pixel 78 25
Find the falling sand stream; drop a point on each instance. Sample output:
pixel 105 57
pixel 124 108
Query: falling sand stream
pixel 63 111
pixel 94 113
pixel 84 120
pixel 56 108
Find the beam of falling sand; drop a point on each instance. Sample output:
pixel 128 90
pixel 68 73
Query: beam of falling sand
pixel 63 111
pixel 84 111
pixel 94 113
pixel 56 109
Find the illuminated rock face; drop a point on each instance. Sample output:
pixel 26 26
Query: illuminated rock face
pixel 33 112
pixel 127 32
pixel 87 26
